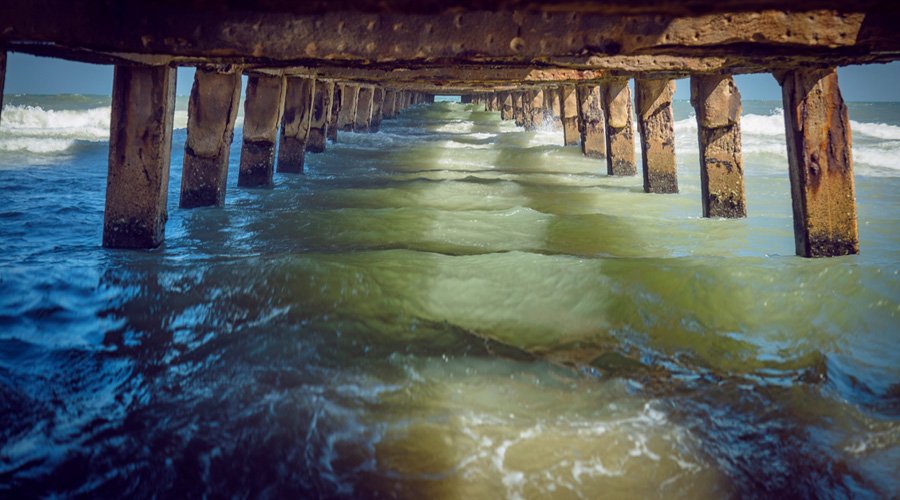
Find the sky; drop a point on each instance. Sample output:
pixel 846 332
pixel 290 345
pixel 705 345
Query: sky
pixel 26 74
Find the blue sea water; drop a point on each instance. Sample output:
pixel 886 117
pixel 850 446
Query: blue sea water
pixel 450 307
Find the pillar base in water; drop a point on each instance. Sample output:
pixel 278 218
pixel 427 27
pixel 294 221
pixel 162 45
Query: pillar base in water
pixel 257 164
pixel 619 133
pixel 263 107
pixel 593 125
pixel 656 124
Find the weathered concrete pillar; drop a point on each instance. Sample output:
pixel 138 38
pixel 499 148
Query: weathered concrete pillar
pixel 347 113
pixel 140 146
pixel 211 112
pixel 526 111
pixel 619 133
pixel 820 163
pixel 519 108
pixel 331 131
pixel 321 115
pixel 556 107
pixel 717 103
pixel 570 115
pixel 465 99
pixel 537 108
pixel 263 107
pixel 495 101
pixel 592 124
pixel 295 124
pixel 364 109
pixel 656 125
pixel 377 106
pixel 389 107
pixel 507 106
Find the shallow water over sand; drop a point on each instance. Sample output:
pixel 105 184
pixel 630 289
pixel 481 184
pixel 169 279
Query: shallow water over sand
pixel 449 308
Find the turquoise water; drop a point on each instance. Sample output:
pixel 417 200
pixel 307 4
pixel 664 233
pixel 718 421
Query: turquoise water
pixel 449 308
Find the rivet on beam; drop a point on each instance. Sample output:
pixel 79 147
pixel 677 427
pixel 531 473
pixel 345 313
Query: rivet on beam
pixel 717 103
pixel 591 122
pixel 321 116
pixel 656 125
pixel 569 102
pixel 619 132
pixel 140 145
pixel 295 124
pixel 215 97
pixel 263 107
pixel 820 163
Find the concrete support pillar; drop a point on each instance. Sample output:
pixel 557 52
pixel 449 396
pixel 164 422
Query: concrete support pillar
pixel 389 107
pixel 295 124
pixel 495 101
pixel 211 112
pixel 465 99
pixel 507 108
pixel 364 109
pixel 555 103
pixel 331 131
pixel 347 113
pixel 321 115
pixel 592 124
pixel 140 146
pixel 569 104
pixel 619 133
pixel 820 163
pixel 377 109
pixel 656 125
pixel 263 107
pixel 528 123
pixel 717 103
pixel 519 108
pixel 537 108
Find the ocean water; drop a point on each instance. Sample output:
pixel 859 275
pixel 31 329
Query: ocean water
pixel 449 308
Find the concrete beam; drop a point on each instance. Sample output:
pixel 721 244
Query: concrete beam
pixel 347 113
pixel 591 121
pixel 140 145
pixel 619 132
pixel 213 106
pixel 717 103
pixel 332 129
pixel 656 125
pixel 263 109
pixel 321 115
pixel 569 114
pixel 295 125
pixel 363 120
pixel 820 162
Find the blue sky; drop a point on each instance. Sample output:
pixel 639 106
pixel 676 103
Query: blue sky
pixel 27 74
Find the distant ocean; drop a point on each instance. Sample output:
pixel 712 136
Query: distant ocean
pixel 452 307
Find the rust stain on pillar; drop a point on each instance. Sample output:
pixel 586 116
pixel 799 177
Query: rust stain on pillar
pixel 592 124
pixel 321 116
pixel 820 163
pixel 140 145
pixel 331 131
pixel 347 113
pixel 364 109
pixel 616 99
pixel 295 124
pixel 656 125
pixel 377 109
pixel 263 107
pixel 211 112
pixel 717 103
pixel 569 102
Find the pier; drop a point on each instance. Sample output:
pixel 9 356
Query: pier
pixel 317 69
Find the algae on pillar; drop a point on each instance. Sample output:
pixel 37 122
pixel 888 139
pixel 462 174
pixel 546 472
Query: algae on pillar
pixel 569 104
pixel 363 118
pixel 717 103
pixel 211 112
pixel 321 116
pixel 591 121
pixel 263 107
pixel 140 146
pixel 820 163
pixel 295 124
pixel 656 125
pixel 616 99
pixel 331 131
pixel 347 114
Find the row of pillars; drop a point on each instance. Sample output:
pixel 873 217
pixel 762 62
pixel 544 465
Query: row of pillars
pixel 599 117
pixel 288 115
